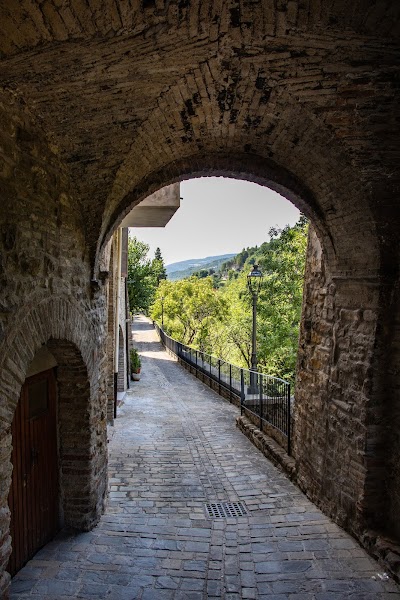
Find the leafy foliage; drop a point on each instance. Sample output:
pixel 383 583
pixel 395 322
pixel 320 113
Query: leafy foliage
pixel 135 360
pixel 219 321
pixel 158 267
pixel 189 308
pixel 283 263
pixel 144 275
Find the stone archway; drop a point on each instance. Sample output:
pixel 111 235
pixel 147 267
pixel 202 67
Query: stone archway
pixel 341 406
pixel 302 97
pixel 259 123
pixel 60 325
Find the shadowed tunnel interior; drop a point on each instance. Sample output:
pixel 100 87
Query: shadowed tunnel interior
pixel 102 104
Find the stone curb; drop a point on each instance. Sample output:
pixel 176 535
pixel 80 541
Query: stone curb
pixel 384 550
pixel 269 447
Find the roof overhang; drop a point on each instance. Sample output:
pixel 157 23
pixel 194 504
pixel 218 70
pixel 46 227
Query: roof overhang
pixel 155 210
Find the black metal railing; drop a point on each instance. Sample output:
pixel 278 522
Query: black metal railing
pixel 266 398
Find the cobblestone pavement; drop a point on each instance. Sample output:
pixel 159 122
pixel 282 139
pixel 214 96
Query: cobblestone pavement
pixel 175 447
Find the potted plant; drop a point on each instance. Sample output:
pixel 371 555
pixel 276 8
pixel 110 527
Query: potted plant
pixel 136 364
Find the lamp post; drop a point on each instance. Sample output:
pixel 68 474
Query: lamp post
pixel 162 312
pixel 254 281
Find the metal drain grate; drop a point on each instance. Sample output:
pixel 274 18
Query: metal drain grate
pixel 222 510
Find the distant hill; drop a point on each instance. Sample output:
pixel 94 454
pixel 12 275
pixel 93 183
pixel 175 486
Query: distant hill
pixel 186 268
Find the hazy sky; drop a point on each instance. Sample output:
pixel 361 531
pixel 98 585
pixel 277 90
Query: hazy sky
pixel 218 216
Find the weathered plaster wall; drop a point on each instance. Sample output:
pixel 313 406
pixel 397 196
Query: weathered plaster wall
pixel 123 359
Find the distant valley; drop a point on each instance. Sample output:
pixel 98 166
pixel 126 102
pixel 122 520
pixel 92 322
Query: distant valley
pixel 186 268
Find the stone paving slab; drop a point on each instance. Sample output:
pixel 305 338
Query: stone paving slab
pixel 175 447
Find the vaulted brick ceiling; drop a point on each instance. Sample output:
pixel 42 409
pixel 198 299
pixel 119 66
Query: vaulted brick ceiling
pixel 132 95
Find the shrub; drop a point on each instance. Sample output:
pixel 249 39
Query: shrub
pixel 136 363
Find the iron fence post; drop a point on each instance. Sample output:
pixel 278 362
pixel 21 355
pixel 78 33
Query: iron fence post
pixel 260 383
pixel 219 377
pixel 289 437
pixel 241 391
pixel 230 382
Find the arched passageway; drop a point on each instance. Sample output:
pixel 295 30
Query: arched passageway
pixel 338 412
pixel 101 107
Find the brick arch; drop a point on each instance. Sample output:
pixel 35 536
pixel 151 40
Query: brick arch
pixel 60 325
pixel 146 68
pixel 250 168
pixel 324 181
pixel 242 123
pixel 57 318
pixel 236 166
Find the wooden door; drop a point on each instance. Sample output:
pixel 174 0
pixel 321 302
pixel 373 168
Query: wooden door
pixel 34 497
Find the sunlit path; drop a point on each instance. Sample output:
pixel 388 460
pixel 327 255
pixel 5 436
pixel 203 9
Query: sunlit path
pixel 174 448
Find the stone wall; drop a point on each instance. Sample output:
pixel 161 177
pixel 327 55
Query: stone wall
pixel 110 268
pixel 391 337
pixel 81 437
pixel 47 299
pixel 340 405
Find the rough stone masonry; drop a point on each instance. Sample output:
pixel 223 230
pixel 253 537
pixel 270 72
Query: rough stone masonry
pixel 101 104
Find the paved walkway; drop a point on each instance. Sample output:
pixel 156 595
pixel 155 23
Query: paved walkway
pixel 174 448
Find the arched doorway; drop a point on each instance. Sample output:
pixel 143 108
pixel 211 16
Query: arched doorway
pixel 77 424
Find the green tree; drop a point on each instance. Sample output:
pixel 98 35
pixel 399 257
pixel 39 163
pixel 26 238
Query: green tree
pixel 230 339
pixel 189 306
pixel 140 284
pixel 283 264
pixel 144 275
pixel 158 267
pixel 219 321
pixel 282 261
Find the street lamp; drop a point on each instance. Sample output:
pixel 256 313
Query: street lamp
pixel 254 281
pixel 162 312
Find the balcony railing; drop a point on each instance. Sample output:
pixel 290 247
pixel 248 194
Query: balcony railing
pixel 264 399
